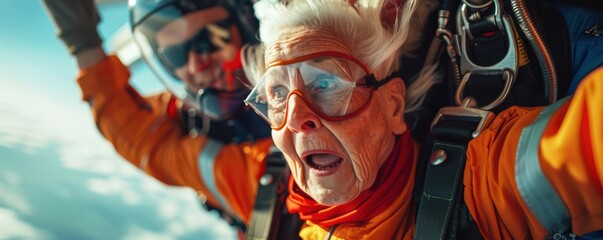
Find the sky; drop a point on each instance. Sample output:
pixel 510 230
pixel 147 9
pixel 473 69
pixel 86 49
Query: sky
pixel 59 179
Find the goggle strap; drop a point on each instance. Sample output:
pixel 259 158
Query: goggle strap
pixel 371 81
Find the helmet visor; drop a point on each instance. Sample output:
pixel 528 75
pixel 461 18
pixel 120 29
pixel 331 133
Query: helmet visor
pixel 207 40
pixel 168 38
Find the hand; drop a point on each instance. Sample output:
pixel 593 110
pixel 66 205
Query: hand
pixel 75 21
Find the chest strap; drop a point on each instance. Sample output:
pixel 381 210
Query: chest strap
pixel 270 219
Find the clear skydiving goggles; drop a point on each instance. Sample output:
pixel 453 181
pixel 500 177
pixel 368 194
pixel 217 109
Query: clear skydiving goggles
pixel 334 85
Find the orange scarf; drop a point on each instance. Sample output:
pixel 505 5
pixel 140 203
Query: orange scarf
pixel 391 179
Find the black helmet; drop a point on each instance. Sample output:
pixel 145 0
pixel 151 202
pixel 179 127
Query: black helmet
pixel 149 17
pixel 154 14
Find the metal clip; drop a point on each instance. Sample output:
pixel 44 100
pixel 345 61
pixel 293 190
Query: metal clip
pixel 508 62
pixel 467 109
pixel 477 4
pixel 509 80
pixel 466 15
pixel 507 66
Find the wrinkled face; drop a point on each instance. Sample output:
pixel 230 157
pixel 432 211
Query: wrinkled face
pixel 333 161
pixel 198 46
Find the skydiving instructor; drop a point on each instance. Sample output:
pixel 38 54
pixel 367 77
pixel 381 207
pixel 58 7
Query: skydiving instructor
pixel 183 136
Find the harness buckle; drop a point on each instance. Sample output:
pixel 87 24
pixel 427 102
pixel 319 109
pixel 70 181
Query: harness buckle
pixel 467 109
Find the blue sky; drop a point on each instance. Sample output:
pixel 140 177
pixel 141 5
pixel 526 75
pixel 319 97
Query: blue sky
pixel 59 179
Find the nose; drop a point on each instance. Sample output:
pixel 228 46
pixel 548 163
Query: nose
pixel 300 118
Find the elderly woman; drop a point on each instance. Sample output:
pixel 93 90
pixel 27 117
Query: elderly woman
pixel 325 87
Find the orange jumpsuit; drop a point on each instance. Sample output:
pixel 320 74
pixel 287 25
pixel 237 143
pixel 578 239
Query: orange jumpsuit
pixel 570 154
pixel 141 131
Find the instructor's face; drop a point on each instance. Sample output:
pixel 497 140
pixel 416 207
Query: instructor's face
pixel 208 44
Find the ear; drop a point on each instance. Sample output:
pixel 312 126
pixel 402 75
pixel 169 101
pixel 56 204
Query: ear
pixel 396 93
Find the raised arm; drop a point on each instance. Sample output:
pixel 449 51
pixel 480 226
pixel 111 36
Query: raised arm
pixel 141 129
pixel 76 23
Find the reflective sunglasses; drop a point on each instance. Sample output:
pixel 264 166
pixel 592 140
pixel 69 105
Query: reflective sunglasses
pixel 333 85
pixel 176 56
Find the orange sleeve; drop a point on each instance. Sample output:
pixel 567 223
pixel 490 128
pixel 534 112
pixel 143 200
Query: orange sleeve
pixel 490 191
pixel 570 154
pixel 141 132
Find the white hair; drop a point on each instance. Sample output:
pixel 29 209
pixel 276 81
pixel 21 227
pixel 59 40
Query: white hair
pixel 371 41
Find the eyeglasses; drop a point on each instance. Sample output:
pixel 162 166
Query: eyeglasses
pixel 334 85
pixel 175 56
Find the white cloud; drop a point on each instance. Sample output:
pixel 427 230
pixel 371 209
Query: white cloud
pixel 168 210
pixel 136 233
pixel 114 185
pixel 32 119
pixel 14 228
pixel 9 185
pixel 61 166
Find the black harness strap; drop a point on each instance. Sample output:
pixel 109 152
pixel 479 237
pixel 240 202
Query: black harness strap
pixel 441 213
pixel 438 214
pixel 439 200
pixel 270 219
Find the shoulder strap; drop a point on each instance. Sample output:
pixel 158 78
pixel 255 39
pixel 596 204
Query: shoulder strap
pixel 270 219
pixel 438 211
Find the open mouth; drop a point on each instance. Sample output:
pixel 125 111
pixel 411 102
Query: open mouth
pixel 323 162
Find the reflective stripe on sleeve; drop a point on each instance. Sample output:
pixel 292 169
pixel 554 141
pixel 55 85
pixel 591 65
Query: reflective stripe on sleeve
pixel 535 189
pixel 206 166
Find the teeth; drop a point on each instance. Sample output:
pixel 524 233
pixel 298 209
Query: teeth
pixel 323 161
